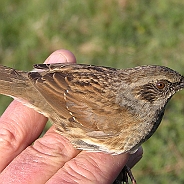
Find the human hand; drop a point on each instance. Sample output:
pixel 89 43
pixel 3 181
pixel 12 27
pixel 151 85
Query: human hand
pixel 52 158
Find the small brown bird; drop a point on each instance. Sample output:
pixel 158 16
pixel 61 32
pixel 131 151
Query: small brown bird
pixel 96 108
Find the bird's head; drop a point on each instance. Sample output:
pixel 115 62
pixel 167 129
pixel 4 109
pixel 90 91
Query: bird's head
pixel 148 88
pixel 153 84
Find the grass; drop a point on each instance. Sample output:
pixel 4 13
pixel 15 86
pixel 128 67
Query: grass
pixel 117 33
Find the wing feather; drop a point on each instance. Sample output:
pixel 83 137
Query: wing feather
pixel 84 99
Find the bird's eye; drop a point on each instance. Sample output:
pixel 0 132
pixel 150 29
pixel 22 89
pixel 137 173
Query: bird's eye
pixel 160 84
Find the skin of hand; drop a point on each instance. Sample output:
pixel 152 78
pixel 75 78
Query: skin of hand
pixel 51 159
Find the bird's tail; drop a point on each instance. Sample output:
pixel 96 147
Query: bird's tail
pixel 16 84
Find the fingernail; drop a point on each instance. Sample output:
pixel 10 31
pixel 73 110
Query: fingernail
pixel 56 57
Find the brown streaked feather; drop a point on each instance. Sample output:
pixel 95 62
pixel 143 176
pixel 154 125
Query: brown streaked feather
pixel 91 107
pixel 81 99
pixel 49 90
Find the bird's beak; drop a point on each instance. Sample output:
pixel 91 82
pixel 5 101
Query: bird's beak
pixel 181 84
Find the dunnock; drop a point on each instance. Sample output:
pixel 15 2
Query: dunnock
pixel 96 108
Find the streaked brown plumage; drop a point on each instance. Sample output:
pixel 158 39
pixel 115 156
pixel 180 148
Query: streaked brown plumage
pixel 96 108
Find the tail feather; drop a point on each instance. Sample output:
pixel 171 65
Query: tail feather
pixel 13 82
pixel 17 84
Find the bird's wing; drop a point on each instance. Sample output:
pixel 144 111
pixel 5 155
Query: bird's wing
pixel 83 97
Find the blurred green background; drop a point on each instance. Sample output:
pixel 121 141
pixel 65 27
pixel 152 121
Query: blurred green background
pixel 116 33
